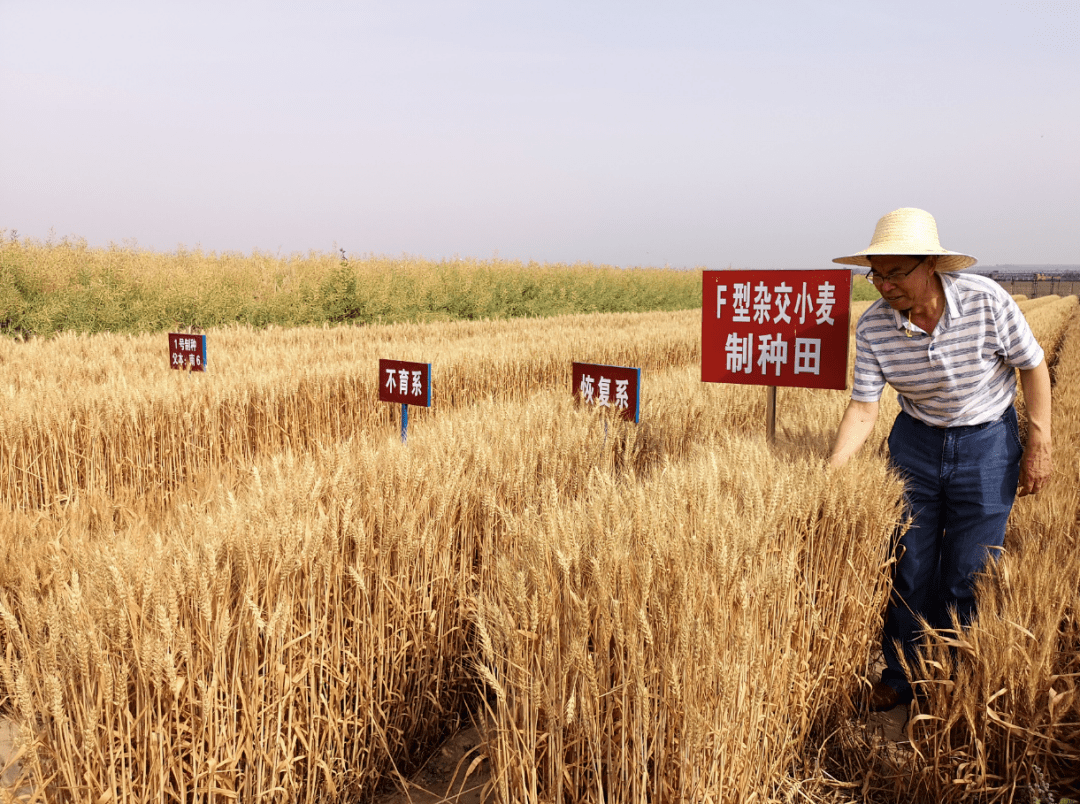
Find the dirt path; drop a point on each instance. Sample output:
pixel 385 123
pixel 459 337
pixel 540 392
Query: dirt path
pixel 459 772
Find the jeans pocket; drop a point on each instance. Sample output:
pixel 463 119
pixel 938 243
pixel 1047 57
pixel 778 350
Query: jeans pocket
pixel 1013 427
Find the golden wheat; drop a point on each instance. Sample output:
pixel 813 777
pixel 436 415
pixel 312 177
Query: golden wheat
pixel 360 557
pixel 103 413
pixel 682 638
pixel 670 611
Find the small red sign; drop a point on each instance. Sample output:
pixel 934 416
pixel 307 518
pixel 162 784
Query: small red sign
pixel 187 351
pixel 780 328
pixel 404 382
pixel 609 386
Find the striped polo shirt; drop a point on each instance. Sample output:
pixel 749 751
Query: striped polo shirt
pixel 960 374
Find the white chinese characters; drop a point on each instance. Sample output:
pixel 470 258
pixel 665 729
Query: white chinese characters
pixel 762 305
pixel 186 352
pixel 808 356
pixel 598 391
pixel 397 380
pixel 772 352
pixel 765 300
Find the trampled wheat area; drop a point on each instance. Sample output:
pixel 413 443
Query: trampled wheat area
pixel 243 587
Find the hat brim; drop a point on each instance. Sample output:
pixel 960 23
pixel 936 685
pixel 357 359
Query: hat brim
pixel 947 260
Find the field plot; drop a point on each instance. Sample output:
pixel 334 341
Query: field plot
pixel 66 286
pixel 241 586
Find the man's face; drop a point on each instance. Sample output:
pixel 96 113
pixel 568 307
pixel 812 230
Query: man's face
pixel 902 281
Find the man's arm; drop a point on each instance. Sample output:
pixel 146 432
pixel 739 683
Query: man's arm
pixel 855 428
pixel 1037 463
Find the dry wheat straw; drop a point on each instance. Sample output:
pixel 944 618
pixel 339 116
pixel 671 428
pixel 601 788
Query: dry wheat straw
pixel 664 612
pixel 362 557
pixel 104 413
pixel 685 637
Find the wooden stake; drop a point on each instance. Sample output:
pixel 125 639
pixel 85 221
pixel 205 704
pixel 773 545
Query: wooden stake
pixel 770 414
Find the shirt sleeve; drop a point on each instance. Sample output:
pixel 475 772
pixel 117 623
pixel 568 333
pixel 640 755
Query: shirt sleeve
pixel 869 382
pixel 1017 344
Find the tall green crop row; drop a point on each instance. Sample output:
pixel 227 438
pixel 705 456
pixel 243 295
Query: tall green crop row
pixel 52 287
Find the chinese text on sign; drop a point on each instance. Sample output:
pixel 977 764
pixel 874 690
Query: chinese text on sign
pixel 618 387
pixel 779 328
pixel 187 351
pixel 404 382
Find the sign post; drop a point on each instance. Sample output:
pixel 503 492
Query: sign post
pixel 770 414
pixel 609 386
pixel 187 352
pixel 776 328
pixel 406 383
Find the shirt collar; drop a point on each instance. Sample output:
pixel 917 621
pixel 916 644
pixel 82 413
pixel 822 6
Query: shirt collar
pixel 952 296
pixel 952 306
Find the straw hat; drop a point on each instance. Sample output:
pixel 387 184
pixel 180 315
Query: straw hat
pixel 909 232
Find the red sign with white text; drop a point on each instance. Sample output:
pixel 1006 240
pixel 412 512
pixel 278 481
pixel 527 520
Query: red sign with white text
pixel 617 387
pixel 780 328
pixel 187 352
pixel 404 382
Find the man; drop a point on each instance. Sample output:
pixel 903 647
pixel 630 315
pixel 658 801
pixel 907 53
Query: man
pixel 949 344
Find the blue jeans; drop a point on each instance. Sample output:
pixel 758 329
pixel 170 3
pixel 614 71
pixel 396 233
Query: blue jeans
pixel 960 483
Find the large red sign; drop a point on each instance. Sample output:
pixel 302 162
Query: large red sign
pixel 404 382
pixel 781 328
pixel 608 386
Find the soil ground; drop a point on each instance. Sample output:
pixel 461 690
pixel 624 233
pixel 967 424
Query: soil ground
pixel 458 773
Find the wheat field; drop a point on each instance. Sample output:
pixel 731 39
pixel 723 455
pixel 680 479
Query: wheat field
pixel 242 586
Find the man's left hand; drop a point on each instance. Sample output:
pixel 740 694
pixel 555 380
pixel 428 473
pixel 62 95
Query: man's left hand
pixel 1035 467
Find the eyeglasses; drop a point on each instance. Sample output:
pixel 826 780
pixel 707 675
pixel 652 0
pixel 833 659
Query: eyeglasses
pixel 874 278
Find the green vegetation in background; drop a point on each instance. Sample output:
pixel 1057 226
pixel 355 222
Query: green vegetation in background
pixel 861 290
pixel 52 287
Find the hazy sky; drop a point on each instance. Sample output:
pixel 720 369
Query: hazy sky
pixel 750 134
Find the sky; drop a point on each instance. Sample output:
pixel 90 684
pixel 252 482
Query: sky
pixel 742 134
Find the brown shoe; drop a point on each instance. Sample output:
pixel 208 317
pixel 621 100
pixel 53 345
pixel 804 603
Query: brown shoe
pixel 883 697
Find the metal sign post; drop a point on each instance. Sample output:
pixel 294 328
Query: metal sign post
pixel 770 414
